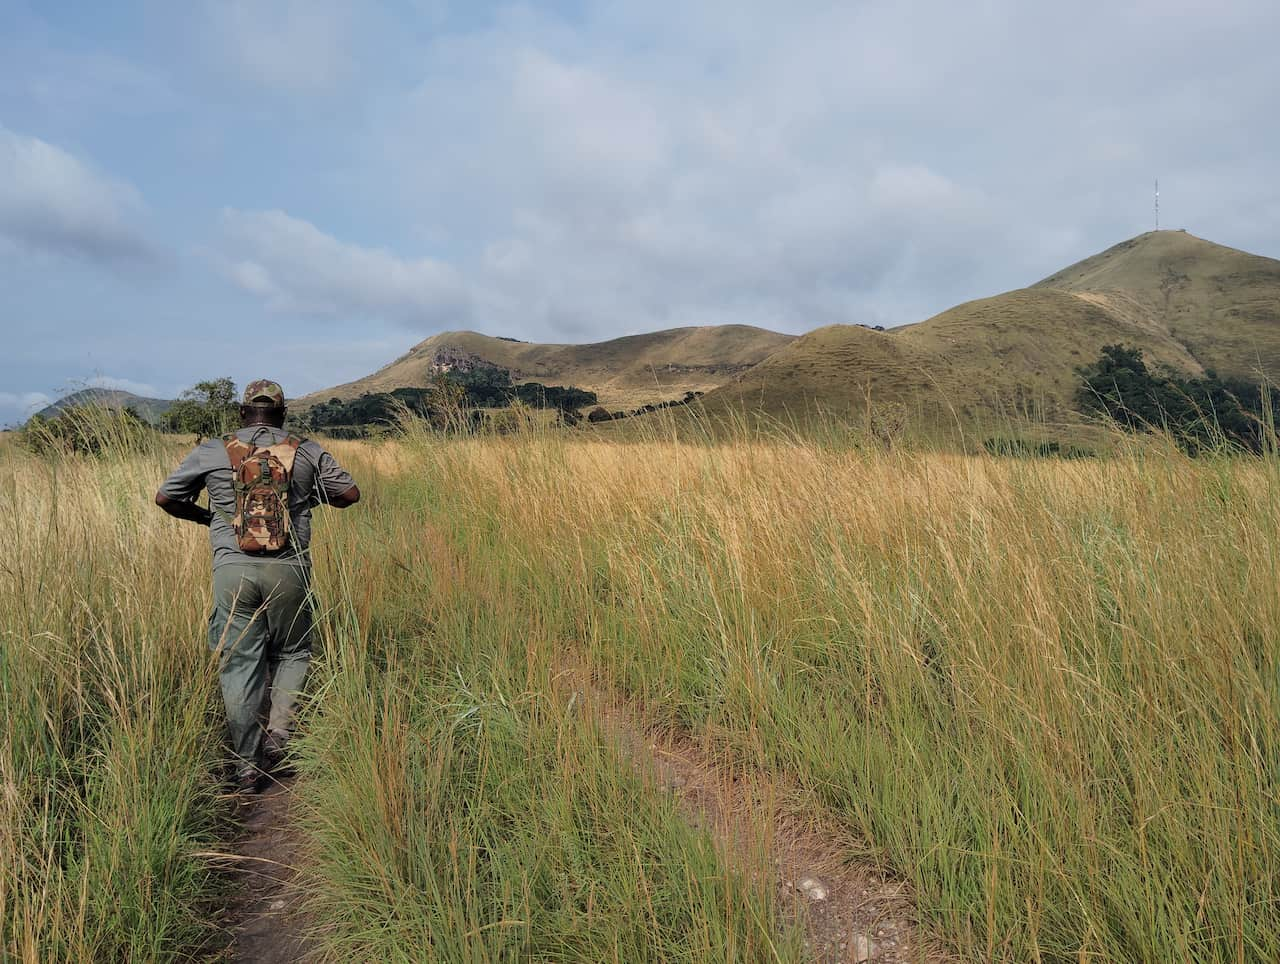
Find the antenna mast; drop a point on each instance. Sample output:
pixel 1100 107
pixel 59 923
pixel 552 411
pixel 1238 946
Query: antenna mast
pixel 1157 204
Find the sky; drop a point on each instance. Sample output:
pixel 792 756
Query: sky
pixel 303 189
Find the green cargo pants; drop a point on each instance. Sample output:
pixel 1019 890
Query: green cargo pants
pixel 261 622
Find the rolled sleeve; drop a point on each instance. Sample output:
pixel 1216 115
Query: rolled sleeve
pixel 187 480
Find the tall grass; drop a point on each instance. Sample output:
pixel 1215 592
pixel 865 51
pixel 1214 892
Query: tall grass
pixel 107 742
pixel 460 804
pixel 1046 691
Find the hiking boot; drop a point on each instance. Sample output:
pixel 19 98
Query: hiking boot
pixel 275 747
pixel 246 781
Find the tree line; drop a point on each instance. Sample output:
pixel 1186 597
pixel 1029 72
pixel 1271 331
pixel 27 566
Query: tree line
pixel 1199 413
pixel 451 393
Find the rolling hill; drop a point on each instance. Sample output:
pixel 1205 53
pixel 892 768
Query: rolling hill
pixel 1221 304
pixel 624 372
pixel 1187 303
pixel 151 409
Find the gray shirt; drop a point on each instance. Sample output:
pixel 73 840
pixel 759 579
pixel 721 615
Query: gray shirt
pixel 317 478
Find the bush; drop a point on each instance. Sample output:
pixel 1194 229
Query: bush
pixel 87 430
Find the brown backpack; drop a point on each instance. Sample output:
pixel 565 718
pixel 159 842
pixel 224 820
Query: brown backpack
pixel 260 476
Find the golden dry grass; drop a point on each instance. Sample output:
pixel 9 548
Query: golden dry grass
pixel 107 746
pixel 1044 692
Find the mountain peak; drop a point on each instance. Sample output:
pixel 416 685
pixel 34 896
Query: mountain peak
pixel 1143 263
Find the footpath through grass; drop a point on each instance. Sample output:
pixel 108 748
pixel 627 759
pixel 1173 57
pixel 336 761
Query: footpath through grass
pixel 1046 691
pixel 462 807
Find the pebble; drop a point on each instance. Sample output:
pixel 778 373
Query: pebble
pixel 812 887
pixel 863 948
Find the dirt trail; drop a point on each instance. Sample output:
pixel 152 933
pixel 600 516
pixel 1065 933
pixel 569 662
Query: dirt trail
pixel 263 918
pixel 852 910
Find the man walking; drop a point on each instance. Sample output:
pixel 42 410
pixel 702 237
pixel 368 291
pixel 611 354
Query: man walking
pixel 262 484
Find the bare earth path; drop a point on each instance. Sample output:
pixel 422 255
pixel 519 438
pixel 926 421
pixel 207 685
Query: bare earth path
pixel 263 920
pixel 852 911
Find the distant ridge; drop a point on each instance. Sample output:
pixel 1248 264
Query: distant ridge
pixel 625 372
pixel 1187 303
pixel 150 409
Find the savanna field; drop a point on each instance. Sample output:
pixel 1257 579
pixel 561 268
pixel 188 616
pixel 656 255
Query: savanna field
pixel 1045 694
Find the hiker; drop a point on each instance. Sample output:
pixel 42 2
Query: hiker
pixel 263 483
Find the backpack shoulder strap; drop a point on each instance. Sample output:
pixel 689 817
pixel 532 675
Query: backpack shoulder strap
pixel 237 451
pixel 286 450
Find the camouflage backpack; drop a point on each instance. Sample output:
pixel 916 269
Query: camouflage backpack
pixel 260 476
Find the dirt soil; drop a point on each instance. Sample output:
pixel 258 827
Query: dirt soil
pixel 264 920
pixel 852 910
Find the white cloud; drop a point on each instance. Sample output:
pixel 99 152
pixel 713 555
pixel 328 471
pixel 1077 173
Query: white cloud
pixel 654 169
pixel 297 268
pixel 646 164
pixel 295 46
pixel 122 385
pixel 52 201
pixel 18 406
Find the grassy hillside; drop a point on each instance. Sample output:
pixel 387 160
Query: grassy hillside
pixel 1222 304
pixel 836 369
pixel 624 372
pixel 1187 303
pixel 1015 352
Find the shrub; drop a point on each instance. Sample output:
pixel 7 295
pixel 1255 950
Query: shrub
pixel 87 430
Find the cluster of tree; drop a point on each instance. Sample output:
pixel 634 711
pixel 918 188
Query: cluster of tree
pixel 488 386
pixel 372 410
pixel 207 410
pixel 452 400
pixel 1199 413
pixel 602 414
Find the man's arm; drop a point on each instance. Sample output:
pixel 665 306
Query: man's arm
pixel 343 499
pixel 333 484
pixel 188 511
pixel 178 493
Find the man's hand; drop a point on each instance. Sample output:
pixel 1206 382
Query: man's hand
pixel 344 499
pixel 187 511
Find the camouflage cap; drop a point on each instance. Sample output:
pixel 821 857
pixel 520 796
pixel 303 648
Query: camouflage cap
pixel 264 392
